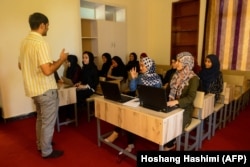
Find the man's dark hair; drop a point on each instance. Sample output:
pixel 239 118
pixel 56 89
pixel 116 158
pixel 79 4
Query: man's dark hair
pixel 36 19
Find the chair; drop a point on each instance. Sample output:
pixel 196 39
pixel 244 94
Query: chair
pixel 193 141
pixel 204 107
pixel 88 102
pixel 218 108
pixel 228 104
pixel 67 96
pixel 239 84
pixel 190 142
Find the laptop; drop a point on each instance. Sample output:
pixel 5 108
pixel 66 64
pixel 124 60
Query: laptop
pixel 111 91
pixel 154 98
pixel 67 81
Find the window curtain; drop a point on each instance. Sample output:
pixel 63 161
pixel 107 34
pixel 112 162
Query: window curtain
pixel 227 33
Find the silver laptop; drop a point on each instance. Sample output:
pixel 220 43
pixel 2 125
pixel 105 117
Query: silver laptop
pixel 111 91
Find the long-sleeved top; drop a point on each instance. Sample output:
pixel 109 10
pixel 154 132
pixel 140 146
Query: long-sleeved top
pixel 186 99
pixel 138 81
pixel 89 75
pixel 215 87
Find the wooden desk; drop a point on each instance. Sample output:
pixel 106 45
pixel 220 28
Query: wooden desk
pixel 157 127
pixel 67 96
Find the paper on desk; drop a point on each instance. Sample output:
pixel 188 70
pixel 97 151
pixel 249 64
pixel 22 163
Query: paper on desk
pixel 132 103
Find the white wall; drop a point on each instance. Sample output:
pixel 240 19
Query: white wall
pixel 64 32
pixel 148 30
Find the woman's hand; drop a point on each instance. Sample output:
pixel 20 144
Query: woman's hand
pixel 133 73
pixel 77 84
pixel 82 87
pixel 172 103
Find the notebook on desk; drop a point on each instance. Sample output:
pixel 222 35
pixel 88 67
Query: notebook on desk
pixel 154 98
pixel 111 91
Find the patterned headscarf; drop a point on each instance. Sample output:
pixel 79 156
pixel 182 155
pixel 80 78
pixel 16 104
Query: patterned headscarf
pixel 150 78
pixel 181 77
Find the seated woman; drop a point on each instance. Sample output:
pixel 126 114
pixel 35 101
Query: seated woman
pixel 73 69
pixel 169 73
pixel 182 90
pixel 148 77
pixel 88 79
pixel 73 72
pixel 133 62
pixel 107 62
pixel 118 71
pixel 211 80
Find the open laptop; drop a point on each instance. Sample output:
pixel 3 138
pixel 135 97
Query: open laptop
pixel 111 91
pixel 153 98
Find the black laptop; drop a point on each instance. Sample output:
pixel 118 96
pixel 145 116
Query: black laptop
pixel 154 98
pixel 111 91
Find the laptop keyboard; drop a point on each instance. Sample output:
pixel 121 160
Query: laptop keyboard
pixel 125 98
pixel 165 109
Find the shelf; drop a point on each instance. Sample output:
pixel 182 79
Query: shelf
pixel 185 27
pixel 89 37
pixel 185 45
pixel 183 31
pixel 185 16
pixel 88 28
pixel 99 11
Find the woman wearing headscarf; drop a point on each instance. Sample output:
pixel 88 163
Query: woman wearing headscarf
pixel 133 62
pixel 107 62
pixel 89 77
pixel 211 76
pixel 73 69
pixel 117 70
pixel 169 73
pixel 147 77
pixel 182 90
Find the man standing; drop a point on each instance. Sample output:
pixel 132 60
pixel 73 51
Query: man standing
pixel 39 82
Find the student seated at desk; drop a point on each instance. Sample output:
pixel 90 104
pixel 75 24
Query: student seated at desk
pixel 72 70
pixel 107 62
pixel 182 90
pixel 147 77
pixel 133 62
pixel 118 71
pixel 169 73
pixel 89 78
pixel 211 76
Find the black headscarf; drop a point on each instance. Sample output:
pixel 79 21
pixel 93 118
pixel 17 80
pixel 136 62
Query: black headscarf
pixel 120 70
pixel 134 63
pixel 208 75
pixel 106 65
pixel 71 70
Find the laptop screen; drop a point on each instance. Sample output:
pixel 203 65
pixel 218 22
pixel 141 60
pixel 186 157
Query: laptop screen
pixel 152 97
pixel 111 91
